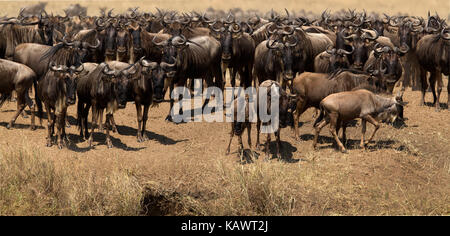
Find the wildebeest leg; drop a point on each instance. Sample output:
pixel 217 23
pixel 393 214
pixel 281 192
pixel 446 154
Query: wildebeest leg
pixel 334 117
pixel 375 123
pixel 20 108
pixel 258 129
pixel 113 124
pixel 448 92
pixel 439 89
pixel 32 109
pixel 423 80
pixel 49 125
pixel 318 128
pixel 144 121
pixel 169 117
pixel 233 77
pixel 93 124
pixel 85 121
pixel 344 135
pixel 80 117
pixel 59 127
pixel 231 138
pixel 139 120
pixel 301 107
pixel 267 147
pixel 277 135
pixel 100 123
pixel 249 134
pixel 108 126
pixel 363 132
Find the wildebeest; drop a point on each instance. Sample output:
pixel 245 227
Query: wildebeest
pixel 274 61
pixel 238 50
pixel 57 90
pixel 140 83
pixel 238 127
pixel 198 57
pixel 388 59
pixel 16 77
pixel 311 88
pixel 286 106
pixel 331 60
pixel 339 108
pixel 101 90
pixel 433 52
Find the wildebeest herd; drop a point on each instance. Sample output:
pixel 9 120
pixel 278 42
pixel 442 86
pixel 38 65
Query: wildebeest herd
pixel 345 64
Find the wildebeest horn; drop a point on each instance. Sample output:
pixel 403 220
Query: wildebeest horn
pixel 108 71
pixel 444 32
pixel 369 37
pixel 160 43
pixel 236 30
pixel 167 65
pixel 352 36
pixel 230 15
pixel 273 30
pixel 270 45
pixel 221 29
pixel 65 42
pixel 392 24
pixel 250 29
pixel 110 13
pixel 405 50
pixel 291 30
pixel 206 20
pixel 292 44
pixel 151 65
pixel 97 44
pixel 418 30
pixel 287 12
pixel 343 51
pixel 330 50
pixel 79 69
pixel 183 40
pixel 97 23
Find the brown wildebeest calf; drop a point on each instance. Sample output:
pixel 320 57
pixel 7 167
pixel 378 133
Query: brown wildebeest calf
pixel 238 127
pixel 311 88
pixel 16 77
pixel 339 108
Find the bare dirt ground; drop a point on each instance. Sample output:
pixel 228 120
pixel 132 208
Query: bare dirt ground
pixel 404 171
pixel 183 168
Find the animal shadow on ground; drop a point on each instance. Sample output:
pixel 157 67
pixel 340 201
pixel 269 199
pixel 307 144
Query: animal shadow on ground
pixel 98 139
pixel 352 144
pixel 129 131
pixel 22 126
pixel 441 105
pixel 286 151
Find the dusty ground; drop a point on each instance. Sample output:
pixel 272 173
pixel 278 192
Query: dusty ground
pixel 405 171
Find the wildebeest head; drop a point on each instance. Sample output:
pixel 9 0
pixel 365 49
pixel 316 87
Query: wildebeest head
pixel 69 77
pixel 228 36
pixel 389 63
pixel 164 71
pixel 287 107
pixel 393 112
pixel 112 81
pixel 338 58
pixel 361 44
pixel 284 53
pixel 172 49
pixel 135 33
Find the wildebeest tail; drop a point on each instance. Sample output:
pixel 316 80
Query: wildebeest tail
pixel 320 117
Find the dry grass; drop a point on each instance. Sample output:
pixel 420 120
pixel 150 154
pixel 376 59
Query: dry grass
pixel 31 184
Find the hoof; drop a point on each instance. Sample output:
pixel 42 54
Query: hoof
pixel 60 146
pixel 169 118
pixel 9 126
pixel 344 151
pixel 33 127
pixel 49 144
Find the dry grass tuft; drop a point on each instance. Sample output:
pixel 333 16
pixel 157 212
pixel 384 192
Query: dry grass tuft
pixel 30 184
